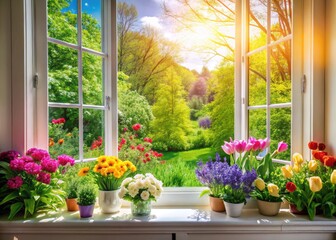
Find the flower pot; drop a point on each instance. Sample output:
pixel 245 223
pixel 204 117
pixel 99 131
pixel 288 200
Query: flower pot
pixel 86 211
pixel 71 204
pixel 233 209
pixel 268 208
pixel 294 210
pixel 109 201
pixel 141 208
pixel 216 204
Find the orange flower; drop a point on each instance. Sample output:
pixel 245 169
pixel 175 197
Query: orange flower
pixel 51 142
pixel 84 171
pixel 61 141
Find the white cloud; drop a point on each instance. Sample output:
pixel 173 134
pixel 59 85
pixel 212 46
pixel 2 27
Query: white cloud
pixel 154 22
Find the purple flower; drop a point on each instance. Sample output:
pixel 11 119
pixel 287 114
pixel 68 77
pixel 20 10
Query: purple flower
pixel 49 165
pixel 204 122
pixel 17 164
pixel 15 182
pixel 282 146
pixel 44 177
pixel 9 155
pixel 32 168
pixel 65 160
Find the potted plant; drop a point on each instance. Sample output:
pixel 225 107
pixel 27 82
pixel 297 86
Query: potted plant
pixel 140 191
pixel 86 200
pixel 210 174
pixel 237 186
pixel 108 173
pixel 71 188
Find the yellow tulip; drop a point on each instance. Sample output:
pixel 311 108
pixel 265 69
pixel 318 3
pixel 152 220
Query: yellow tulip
pixel 287 171
pixel 260 184
pixel 273 190
pixel 296 168
pixel 312 165
pixel 333 177
pixel 297 158
pixel 315 184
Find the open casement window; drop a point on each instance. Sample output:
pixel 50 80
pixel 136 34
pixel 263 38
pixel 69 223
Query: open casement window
pixel 81 101
pixel 271 86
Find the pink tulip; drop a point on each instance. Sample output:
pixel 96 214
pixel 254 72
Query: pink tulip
pixel 228 148
pixel 249 146
pixel 240 145
pixel 282 146
pixel 264 143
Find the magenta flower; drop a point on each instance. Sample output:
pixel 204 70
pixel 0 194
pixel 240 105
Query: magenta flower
pixel 9 155
pixel 282 146
pixel 17 164
pixel 44 177
pixel 27 159
pixel 249 146
pixel 239 145
pixel 39 154
pixel 32 168
pixel 65 160
pixel 264 143
pixel 15 182
pixel 228 148
pixel 49 165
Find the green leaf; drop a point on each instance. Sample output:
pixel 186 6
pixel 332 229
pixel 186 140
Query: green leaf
pixel 9 197
pixel 14 209
pixel 29 205
pixel 205 192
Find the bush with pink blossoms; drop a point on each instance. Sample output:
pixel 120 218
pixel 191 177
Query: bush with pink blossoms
pixel 32 183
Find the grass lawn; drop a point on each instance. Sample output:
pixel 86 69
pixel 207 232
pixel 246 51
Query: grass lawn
pixel 191 155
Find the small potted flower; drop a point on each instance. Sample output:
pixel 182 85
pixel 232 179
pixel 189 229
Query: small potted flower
pixel 237 186
pixel 210 175
pixel 87 194
pixel 140 191
pixel 108 173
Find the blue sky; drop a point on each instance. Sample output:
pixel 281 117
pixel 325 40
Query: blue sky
pixel 92 7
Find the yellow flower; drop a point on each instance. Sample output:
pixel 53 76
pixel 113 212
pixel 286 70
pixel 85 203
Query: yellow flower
pixel 273 190
pixel 287 171
pixel 296 168
pixel 260 184
pixel 333 177
pixel 117 174
pixel 312 165
pixel 315 184
pixel 97 168
pixel 133 168
pixel 102 159
pixel 84 171
pixel 297 158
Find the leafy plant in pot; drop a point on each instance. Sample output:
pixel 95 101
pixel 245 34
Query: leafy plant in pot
pixel 87 194
pixel 71 188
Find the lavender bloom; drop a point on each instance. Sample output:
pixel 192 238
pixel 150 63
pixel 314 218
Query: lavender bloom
pixel 204 122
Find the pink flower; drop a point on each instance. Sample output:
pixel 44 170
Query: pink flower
pixel 65 160
pixel 15 182
pixel 147 139
pixel 282 146
pixel 239 145
pixel 49 165
pixel 37 154
pixel 17 164
pixel 249 146
pixel 27 159
pixel 44 177
pixel 32 168
pixel 228 148
pixel 136 127
pixel 264 143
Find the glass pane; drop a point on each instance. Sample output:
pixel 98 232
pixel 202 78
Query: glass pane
pixel 281 19
pixel 92 24
pixel 281 130
pixel 281 85
pixel 92 79
pixel 62 74
pixel 258 24
pixel 93 133
pixel 62 20
pixel 63 132
pixel 257 79
pixel 257 123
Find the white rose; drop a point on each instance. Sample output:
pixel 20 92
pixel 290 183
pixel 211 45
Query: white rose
pixel 122 192
pixel 126 181
pixel 139 176
pixel 133 192
pixel 149 175
pixel 152 189
pixel 144 195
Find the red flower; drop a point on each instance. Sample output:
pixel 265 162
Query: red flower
pixel 290 186
pixel 125 129
pixel 58 121
pixel 321 146
pixel 136 127
pixel 147 139
pixel 319 155
pixel 123 141
pixel 329 161
pixel 312 145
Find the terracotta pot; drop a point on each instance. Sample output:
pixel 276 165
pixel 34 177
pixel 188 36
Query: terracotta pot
pixel 293 209
pixel 216 204
pixel 268 208
pixel 233 209
pixel 86 211
pixel 71 204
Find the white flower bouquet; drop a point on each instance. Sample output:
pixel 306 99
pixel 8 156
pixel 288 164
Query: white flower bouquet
pixel 141 188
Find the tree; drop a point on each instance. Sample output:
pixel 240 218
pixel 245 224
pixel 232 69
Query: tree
pixel 171 123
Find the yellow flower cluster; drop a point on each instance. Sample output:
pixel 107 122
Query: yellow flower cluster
pixel 273 189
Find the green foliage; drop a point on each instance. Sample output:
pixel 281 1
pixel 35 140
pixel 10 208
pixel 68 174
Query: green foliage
pixel 200 139
pixel 87 194
pixel 71 187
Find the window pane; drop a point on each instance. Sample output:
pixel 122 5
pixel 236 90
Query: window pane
pixel 281 73
pixel 62 74
pixel 257 79
pixel 257 123
pixel 92 79
pixel 93 133
pixel 92 24
pixel 63 132
pixel 281 19
pixel 281 130
pixel 258 24
pixel 62 20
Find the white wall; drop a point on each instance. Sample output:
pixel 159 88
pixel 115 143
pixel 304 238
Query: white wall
pixel 330 77
pixel 5 76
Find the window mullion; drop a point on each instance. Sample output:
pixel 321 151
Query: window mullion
pixel 268 73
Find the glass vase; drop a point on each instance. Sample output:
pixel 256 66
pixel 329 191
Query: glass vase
pixel 141 208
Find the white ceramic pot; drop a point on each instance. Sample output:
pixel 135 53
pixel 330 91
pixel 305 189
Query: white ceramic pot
pixel 233 209
pixel 109 201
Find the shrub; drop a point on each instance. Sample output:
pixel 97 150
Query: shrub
pixel 86 194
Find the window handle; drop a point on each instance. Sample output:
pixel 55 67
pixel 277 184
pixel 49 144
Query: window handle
pixel 108 102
